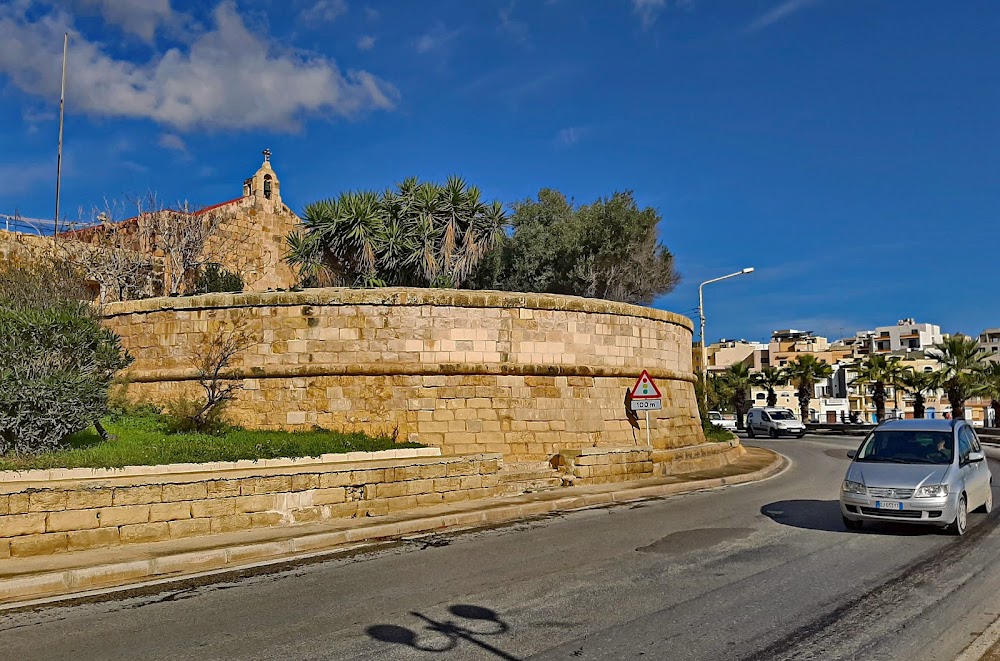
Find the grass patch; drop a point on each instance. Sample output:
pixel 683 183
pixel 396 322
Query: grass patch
pixel 141 439
pixel 716 434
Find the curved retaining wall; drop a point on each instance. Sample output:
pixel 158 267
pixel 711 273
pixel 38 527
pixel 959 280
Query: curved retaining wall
pixel 468 371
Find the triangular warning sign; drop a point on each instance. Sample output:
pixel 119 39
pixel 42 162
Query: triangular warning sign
pixel 644 387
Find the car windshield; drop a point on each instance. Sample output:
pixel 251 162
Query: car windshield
pixel 714 416
pixel 782 415
pixel 908 447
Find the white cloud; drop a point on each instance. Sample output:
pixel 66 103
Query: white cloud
pixel 648 10
pixel 569 136
pixel 366 42
pixel 228 77
pixel 324 11
pixel 173 141
pixel 782 11
pixel 141 18
pixel 435 39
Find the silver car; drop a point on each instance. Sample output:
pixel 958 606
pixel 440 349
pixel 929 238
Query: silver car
pixel 917 471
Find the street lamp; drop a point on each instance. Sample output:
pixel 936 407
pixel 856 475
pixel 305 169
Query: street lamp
pixel 701 315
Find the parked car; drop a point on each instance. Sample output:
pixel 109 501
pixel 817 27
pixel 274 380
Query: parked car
pixel 716 419
pixel 928 472
pixel 773 421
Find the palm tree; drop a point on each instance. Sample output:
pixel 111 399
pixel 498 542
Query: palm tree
pixel 770 378
pixel 736 380
pixel 917 384
pixel 878 372
pixel 991 380
pixel 804 373
pixel 418 234
pixel 961 373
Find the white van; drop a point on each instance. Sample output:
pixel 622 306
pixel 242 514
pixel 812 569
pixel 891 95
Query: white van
pixel 773 422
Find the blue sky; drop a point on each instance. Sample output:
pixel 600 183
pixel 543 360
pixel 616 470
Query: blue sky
pixel 849 150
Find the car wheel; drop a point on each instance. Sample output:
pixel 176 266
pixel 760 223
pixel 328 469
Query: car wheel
pixel 987 507
pixel 852 525
pixel 750 432
pixel 961 522
pixel 772 432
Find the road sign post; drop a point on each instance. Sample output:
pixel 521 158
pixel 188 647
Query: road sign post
pixel 646 397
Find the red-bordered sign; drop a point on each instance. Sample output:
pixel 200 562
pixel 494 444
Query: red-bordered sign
pixel 645 388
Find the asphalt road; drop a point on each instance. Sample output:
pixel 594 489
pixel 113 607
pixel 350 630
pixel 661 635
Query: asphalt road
pixel 763 571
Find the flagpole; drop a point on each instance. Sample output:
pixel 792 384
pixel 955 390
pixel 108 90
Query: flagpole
pixel 62 106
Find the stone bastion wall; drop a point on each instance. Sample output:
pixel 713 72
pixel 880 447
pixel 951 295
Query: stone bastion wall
pixel 526 375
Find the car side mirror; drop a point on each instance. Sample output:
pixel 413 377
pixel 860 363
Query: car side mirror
pixel 851 454
pixel 976 456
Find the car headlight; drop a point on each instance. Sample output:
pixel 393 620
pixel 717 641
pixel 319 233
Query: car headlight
pixel 931 491
pixel 854 487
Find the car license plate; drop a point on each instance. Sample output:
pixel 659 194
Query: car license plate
pixel 888 505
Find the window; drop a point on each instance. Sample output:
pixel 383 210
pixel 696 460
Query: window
pixel 765 417
pixel 761 395
pixel 964 444
pixel 908 447
pixel 267 186
pixel 928 369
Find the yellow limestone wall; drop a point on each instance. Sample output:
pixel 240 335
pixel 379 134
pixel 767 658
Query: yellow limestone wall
pixel 526 375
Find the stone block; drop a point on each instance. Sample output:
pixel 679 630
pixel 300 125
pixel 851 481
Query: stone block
pixel 336 479
pixel 401 504
pixel 31 545
pixel 14 525
pixel 330 496
pixel 71 520
pixel 265 519
pixel 373 508
pixel 305 481
pixel 169 511
pixel 231 523
pixel 261 503
pixel 79 540
pixel 179 492
pixel 47 500
pixel 82 499
pixel 414 487
pixel 189 528
pixel 390 490
pixel 216 507
pixel 4 549
pixel 307 514
pixel 223 488
pixel 141 495
pixel 144 532
pixel 342 511
pixel 123 516
pixel 258 485
pixel 4 504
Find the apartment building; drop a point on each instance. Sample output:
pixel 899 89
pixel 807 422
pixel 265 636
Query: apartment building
pixel 906 334
pixel 725 352
pixel 989 340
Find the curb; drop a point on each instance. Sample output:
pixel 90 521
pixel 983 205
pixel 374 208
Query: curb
pixel 49 587
pixel 982 645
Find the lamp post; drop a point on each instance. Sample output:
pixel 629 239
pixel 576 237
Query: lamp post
pixel 701 315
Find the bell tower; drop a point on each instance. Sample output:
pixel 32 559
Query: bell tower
pixel 263 186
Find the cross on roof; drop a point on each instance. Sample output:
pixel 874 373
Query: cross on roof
pixel 267 155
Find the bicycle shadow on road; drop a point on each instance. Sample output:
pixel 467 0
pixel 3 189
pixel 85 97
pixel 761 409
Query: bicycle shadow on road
pixel 825 515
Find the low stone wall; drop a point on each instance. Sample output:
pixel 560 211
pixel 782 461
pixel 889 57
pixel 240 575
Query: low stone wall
pixel 604 465
pixel 56 515
pixel 467 371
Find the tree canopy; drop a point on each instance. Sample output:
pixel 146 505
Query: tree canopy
pixel 608 249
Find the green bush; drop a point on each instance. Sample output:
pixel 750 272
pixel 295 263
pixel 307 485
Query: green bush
pixel 214 278
pixel 185 416
pixel 57 361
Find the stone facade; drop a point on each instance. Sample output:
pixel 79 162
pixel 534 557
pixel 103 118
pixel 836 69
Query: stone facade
pixel 525 375
pixel 53 516
pixel 250 239
pixel 605 465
